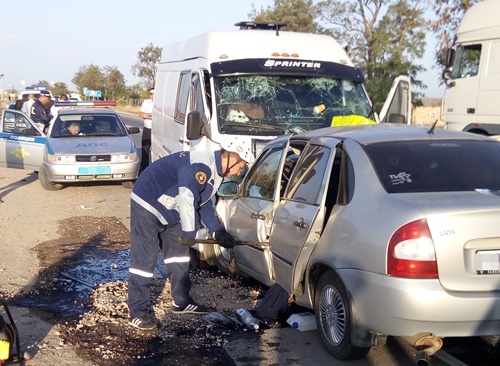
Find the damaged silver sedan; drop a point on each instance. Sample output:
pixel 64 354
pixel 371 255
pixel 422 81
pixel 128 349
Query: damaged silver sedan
pixel 382 230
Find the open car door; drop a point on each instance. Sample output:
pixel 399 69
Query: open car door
pixel 397 106
pixel 22 144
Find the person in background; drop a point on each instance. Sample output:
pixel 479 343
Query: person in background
pixel 54 110
pixel 26 108
pixel 169 201
pixel 146 114
pixel 39 113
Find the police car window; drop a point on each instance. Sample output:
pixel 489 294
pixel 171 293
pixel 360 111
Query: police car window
pixel 261 180
pixel 308 183
pixel 15 123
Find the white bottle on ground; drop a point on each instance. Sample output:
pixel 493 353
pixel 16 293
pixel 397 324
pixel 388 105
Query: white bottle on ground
pixel 246 318
pixel 302 321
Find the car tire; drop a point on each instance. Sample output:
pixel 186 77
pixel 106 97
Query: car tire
pixel 215 255
pixel 128 184
pixel 333 318
pixel 44 180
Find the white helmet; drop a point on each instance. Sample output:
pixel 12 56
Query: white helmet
pixel 239 146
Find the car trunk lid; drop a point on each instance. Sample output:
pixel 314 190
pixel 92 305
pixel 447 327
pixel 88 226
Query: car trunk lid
pixel 466 233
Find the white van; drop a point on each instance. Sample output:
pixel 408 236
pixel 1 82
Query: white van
pixel 258 83
pixel 472 75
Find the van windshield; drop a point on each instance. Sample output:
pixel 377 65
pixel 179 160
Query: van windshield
pixel 275 105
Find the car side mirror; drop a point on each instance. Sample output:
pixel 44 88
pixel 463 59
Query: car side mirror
pixel 228 189
pixel 133 130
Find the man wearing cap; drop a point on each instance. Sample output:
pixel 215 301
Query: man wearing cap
pixel 39 113
pixel 146 113
pixel 169 201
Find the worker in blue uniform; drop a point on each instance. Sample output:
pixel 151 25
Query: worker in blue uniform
pixel 169 202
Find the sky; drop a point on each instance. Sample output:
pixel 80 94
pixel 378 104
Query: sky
pixel 49 40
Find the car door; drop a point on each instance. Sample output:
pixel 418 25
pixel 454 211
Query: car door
pixel 251 218
pixel 299 218
pixel 397 106
pixel 22 144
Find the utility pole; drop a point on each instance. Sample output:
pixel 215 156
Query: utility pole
pixel 1 86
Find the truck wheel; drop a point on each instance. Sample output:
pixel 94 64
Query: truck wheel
pixel 44 180
pixel 333 318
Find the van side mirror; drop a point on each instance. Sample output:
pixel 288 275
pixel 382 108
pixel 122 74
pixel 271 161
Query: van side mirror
pixel 194 126
pixel 396 118
pixel 450 57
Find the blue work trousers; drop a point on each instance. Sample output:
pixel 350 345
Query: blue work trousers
pixel 147 237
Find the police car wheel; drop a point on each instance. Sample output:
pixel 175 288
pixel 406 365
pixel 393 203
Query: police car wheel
pixel 44 181
pixel 128 184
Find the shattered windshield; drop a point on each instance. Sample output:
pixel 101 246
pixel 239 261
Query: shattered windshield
pixel 276 105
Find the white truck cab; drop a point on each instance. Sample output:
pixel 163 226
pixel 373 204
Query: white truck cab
pixel 472 75
pixel 258 83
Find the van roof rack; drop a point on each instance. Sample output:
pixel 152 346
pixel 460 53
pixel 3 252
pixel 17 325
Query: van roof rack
pixel 258 25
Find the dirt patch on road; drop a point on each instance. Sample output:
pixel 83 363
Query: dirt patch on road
pixel 82 288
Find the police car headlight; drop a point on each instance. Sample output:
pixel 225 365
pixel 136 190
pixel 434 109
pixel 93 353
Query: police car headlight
pixel 52 158
pixel 124 158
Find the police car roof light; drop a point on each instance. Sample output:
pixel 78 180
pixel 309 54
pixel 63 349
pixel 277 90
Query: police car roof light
pixel 87 103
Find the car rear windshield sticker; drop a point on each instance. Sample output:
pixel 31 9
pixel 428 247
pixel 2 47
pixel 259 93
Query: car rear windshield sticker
pixel 400 178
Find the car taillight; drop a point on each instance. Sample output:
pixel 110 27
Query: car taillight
pixel 411 252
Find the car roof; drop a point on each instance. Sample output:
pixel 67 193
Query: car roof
pixel 386 132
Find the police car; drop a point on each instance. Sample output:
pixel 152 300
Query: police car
pixel 84 143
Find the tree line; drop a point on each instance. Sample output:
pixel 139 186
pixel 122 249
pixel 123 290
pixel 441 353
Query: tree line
pixel 385 38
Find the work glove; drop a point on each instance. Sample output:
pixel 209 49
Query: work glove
pixel 187 241
pixel 225 239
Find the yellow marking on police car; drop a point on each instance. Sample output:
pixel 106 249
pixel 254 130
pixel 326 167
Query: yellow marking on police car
pixel 201 177
pixel 20 152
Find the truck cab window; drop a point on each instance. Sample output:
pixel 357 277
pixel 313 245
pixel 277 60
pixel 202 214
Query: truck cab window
pixel 467 60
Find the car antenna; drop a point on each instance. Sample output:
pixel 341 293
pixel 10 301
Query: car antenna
pixel 431 131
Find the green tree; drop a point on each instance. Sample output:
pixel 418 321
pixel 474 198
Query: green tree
pixel 60 88
pixel 448 14
pixel 90 77
pixel 147 64
pixel 297 14
pixel 114 83
pixel 385 38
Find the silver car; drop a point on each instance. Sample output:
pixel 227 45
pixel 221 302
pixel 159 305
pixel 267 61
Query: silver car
pixel 83 144
pixel 381 229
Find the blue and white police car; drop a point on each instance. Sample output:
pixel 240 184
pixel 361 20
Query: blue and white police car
pixel 82 144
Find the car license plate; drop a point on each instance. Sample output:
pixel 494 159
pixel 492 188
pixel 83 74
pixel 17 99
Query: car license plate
pixel 487 261
pixel 94 170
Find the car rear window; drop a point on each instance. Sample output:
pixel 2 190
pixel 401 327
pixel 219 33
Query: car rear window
pixel 436 166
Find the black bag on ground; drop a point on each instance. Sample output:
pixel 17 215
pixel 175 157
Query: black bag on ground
pixel 274 306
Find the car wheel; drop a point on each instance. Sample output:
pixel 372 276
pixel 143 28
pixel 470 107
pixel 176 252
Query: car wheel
pixel 333 318
pixel 216 255
pixel 44 180
pixel 128 184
